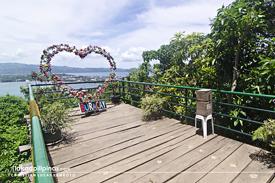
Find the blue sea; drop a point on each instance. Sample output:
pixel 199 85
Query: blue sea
pixel 13 88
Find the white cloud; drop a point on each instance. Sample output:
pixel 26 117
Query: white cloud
pixel 14 56
pixel 113 52
pixel 19 52
pixel 133 54
pixel 124 28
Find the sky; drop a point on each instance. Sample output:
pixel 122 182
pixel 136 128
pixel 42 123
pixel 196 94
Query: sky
pixel 125 28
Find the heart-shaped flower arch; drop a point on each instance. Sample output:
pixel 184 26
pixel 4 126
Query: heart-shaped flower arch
pixel 50 52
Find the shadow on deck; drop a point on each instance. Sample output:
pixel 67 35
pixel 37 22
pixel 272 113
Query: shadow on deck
pixel 116 146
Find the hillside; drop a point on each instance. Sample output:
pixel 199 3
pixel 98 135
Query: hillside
pixel 18 68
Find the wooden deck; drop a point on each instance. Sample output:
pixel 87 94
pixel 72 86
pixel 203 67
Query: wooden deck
pixel 116 146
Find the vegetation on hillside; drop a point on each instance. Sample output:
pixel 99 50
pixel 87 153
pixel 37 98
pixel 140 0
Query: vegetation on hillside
pixel 238 55
pixel 13 133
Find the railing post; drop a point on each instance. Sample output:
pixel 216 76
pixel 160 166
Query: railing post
pixel 128 79
pixel 217 103
pixel 144 89
pixel 123 89
pixel 186 106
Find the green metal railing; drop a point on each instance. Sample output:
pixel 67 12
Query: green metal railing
pixel 40 163
pixel 188 97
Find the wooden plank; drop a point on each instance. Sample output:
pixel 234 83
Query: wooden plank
pixel 24 148
pixel 197 171
pixel 227 170
pixel 86 148
pixel 93 126
pixel 116 146
pixel 182 159
pixel 125 157
pixel 30 177
pixel 96 125
pixel 255 172
pixel 134 149
pixel 93 142
pixel 25 169
pixel 138 167
pixel 76 138
pixel 107 116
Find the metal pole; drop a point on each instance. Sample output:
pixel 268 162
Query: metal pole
pixel 123 89
pixel 186 106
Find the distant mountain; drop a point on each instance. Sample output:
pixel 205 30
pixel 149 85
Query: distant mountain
pixel 18 68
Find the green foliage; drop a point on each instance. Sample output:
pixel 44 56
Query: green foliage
pixel 141 73
pixel 236 39
pixel 42 94
pixel 54 115
pixel 151 106
pixel 181 49
pixel 114 85
pixel 238 52
pixel 13 133
pixel 261 79
pixel 266 133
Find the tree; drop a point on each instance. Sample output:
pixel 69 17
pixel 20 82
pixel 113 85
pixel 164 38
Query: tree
pixel 164 55
pixel 181 50
pixel 236 38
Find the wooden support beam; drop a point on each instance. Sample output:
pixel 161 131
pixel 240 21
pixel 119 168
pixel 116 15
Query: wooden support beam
pixel 25 169
pixel 24 148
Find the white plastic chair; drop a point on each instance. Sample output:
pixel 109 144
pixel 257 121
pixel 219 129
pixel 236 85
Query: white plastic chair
pixel 204 124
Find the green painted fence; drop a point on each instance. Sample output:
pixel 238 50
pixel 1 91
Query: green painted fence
pixel 128 90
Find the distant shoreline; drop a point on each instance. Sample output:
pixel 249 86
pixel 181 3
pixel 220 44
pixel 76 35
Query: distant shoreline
pixel 18 68
pixel 72 77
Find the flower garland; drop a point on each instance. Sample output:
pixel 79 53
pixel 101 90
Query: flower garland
pixel 50 52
